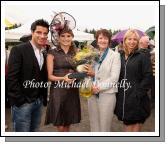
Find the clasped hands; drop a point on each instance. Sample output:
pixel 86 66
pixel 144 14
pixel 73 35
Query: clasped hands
pixel 95 89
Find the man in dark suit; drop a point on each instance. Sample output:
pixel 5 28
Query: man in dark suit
pixel 27 79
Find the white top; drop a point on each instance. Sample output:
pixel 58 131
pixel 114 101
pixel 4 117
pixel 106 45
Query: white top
pixel 107 76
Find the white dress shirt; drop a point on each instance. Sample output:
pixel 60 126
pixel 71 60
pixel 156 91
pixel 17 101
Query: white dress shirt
pixel 38 54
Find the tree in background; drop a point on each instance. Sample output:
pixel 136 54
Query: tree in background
pixel 93 31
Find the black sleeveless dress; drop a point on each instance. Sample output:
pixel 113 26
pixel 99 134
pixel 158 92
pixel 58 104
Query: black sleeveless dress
pixel 64 103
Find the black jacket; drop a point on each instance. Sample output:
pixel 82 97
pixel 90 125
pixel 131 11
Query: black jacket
pixel 23 66
pixel 146 51
pixel 133 103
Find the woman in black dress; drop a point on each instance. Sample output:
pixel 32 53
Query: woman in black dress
pixel 64 103
pixel 132 104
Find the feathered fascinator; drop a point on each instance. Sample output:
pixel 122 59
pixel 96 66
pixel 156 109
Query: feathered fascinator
pixel 60 22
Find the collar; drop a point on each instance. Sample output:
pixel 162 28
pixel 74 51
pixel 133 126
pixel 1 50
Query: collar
pixel 35 48
pixel 58 48
pixel 137 51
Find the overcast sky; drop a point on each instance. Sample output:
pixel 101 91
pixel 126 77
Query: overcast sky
pixel 102 15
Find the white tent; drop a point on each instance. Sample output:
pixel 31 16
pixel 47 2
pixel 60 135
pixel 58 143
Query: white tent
pixel 16 34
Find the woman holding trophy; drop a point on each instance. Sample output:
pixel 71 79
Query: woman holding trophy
pixel 64 103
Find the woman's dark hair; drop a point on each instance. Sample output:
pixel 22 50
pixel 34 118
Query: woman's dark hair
pixel 40 22
pixel 66 30
pixel 104 32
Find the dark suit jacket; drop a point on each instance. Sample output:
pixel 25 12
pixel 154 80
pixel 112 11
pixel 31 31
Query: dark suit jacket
pixel 23 67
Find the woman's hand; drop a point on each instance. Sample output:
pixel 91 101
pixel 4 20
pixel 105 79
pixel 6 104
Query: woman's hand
pixel 95 89
pixel 89 70
pixel 68 80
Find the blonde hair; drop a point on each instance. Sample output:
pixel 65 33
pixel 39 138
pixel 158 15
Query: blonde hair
pixel 128 34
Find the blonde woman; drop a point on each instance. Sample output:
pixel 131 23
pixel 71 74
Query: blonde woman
pixel 132 104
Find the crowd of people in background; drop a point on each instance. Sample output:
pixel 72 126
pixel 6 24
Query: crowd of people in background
pixel 131 61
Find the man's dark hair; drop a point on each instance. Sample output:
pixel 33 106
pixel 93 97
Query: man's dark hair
pixel 39 22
